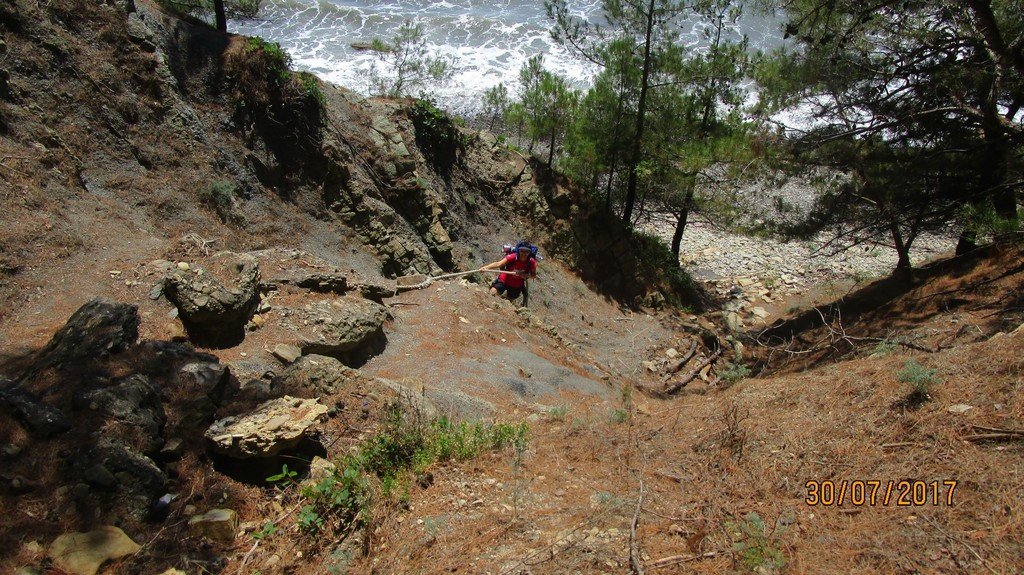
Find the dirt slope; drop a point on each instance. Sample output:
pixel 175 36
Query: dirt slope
pixel 113 124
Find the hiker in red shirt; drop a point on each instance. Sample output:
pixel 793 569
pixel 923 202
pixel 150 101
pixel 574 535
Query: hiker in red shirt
pixel 519 266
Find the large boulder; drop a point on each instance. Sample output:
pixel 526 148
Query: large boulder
pixel 214 307
pixel 131 409
pixel 98 329
pixel 274 426
pixel 314 375
pixel 83 553
pixel 349 328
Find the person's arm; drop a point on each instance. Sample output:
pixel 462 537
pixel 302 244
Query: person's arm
pixel 493 266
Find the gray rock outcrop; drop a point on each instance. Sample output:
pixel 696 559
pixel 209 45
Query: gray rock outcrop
pixel 38 418
pixel 98 329
pixel 213 313
pixel 132 410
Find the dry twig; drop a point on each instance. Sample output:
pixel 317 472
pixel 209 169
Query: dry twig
pixel 634 543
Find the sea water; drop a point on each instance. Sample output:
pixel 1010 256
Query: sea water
pixel 488 40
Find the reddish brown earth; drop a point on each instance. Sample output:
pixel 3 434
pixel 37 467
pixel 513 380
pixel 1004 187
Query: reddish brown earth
pixel 611 471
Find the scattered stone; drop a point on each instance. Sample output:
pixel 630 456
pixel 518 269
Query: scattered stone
pixel 11 450
pixel 100 476
pixel 323 283
pixel 83 553
pixel 671 353
pixel 136 473
pixel 733 322
pixel 205 383
pixel 959 408
pixel 650 366
pixel 273 427
pixel 319 469
pixel 172 450
pixel 411 280
pixel 216 524
pixel 287 353
pixel 760 312
pixel 183 266
pixel 173 571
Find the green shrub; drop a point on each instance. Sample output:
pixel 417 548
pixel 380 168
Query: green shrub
pixel 437 134
pixel 310 88
pixel 404 445
pixel 756 547
pixel 337 498
pixel 558 413
pixel 921 380
pixel 734 372
pixel 219 194
pixel 884 348
pixel 268 529
pixel 657 264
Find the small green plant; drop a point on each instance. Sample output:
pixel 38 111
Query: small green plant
pixel 619 415
pixel 287 476
pixel 558 413
pixel 757 549
pixel 268 529
pixel 884 348
pixel 309 520
pixel 921 380
pixel 734 372
pixel 338 498
pixel 219 195
pixel 311 88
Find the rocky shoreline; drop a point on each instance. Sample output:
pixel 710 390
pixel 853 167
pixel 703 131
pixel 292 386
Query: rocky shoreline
pixel 767 271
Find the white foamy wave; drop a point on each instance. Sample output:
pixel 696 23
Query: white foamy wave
pixel 488 41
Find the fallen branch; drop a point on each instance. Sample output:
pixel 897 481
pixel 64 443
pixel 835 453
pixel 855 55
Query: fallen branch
pixel 634 544
pixel 677 559
pixel 693 373
pixel 997 430
pixel 994 434
pixel 979 437
pixel 681 362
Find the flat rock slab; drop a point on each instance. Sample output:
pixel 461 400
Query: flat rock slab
pixel 287 353
pixel 274 426
pixel 216 524
pixel 83 553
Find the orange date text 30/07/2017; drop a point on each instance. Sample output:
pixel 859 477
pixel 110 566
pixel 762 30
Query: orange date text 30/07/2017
pixel 879 493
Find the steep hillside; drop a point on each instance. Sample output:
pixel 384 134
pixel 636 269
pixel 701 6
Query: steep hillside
pixel 204 349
